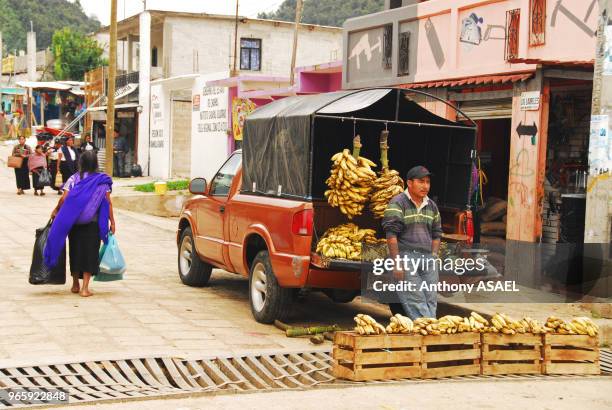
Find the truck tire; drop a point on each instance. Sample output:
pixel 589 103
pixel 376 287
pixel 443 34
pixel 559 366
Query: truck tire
pixel 192 270
pixel 268 300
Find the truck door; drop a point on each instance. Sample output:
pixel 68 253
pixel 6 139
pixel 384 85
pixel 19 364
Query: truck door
pixel 211 212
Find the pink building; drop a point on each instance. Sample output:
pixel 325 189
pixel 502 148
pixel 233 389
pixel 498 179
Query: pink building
pixel 522 69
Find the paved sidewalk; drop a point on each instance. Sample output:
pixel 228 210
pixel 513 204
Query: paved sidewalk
pixel 149 313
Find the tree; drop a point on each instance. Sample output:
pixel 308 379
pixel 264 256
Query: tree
pixel 74 54
pixel 47 17
pixel 325 12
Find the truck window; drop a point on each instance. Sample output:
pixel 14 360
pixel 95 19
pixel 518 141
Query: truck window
pixel 222 182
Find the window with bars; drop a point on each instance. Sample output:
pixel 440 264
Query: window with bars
pixel 537 22
pixel 250 54
pixel 513 18
pixel 387 46
pixel 403 66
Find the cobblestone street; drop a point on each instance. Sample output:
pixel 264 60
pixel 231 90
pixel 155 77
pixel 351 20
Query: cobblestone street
pixel 149 313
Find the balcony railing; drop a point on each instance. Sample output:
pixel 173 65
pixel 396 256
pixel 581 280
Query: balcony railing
pixel 125 79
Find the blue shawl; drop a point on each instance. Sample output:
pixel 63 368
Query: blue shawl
pixel 76 201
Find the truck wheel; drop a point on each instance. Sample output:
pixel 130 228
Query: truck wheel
pixel 268 300
pixel 192 270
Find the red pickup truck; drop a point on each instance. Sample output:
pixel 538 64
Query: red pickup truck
pixel 264 209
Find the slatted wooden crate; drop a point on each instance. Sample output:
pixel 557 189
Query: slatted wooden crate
pixel 571 354
pixel 511 354
pixel 377 357
pixel 450 355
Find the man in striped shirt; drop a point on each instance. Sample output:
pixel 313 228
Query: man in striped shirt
pixel 413 228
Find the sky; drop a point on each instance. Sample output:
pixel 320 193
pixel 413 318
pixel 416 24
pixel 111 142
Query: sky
pixel 127 8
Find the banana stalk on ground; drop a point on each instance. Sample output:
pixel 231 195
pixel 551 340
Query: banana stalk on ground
pixel 367 325
pixel 345 241
pixel 386 186
pixel 350 183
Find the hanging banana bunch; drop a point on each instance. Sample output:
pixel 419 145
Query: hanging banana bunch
pixel 388 184
pixel 350 181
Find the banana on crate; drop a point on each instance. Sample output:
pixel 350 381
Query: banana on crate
pixel 350 183
pixel 367 325
pixel 345 241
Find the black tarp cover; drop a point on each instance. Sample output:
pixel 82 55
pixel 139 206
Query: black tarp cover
pixel 287 143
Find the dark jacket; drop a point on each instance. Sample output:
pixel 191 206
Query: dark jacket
pixel 69 163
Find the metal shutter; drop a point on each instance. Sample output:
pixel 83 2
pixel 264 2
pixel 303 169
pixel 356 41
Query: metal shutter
pixel 486 109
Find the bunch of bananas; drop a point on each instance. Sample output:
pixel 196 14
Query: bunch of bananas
pixel 426 326
pixel 577 326
pixel 386 186
pixel 344 241
pixel 366 325
pixel 350 183
pixel 400 324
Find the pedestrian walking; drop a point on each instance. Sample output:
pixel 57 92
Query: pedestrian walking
pixel 37 162
pixel 413 228
pixel 84 214
pixel 68 159
pixel 120 148
pixel 53 154
pixel 22 174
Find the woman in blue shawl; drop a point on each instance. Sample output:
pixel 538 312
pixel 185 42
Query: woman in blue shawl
pixel 83 214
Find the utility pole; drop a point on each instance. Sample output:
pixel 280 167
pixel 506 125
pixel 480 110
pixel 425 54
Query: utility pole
pixel 598 219
pixel 298 17
pixel 234 71
pixel 110 105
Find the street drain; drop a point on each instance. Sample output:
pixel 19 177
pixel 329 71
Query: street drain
pixel 121 380
pixel 139 378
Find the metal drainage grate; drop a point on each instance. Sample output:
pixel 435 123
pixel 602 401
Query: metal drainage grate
pixel 122 380
pixel 139 378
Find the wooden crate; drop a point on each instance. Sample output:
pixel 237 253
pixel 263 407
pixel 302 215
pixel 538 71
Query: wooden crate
pixel 450 355
pixel 378 357
pixel 511 354
pixel 571 354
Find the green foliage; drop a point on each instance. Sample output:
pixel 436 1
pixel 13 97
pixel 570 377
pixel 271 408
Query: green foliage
pixel 47 17
pixel 325 12
pixel 74 54
pixel 180 185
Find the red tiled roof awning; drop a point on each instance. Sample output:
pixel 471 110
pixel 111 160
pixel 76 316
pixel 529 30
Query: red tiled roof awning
pixel 555 63
pixel 480 80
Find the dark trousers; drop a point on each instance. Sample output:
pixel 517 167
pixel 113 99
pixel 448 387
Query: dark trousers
pixel 66 170
pixel 53 170
pixel 119 164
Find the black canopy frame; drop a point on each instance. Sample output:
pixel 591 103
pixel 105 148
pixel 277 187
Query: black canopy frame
pixel 287 142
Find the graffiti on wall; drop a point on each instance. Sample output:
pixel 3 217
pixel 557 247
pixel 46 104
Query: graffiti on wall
pixel 561 10
pixel 471 31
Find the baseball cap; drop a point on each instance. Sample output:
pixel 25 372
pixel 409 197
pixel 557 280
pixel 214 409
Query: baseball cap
pixel 418 172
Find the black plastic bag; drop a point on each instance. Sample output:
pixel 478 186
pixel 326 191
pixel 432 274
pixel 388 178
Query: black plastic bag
pixel 136 170
pixel 44 178
pixel 40 274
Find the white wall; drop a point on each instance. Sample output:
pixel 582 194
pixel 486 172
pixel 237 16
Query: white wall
pixel 206 45
pixel 209 140
pixel 159 143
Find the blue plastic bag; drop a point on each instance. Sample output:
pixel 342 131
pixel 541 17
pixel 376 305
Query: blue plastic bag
pixel 112 264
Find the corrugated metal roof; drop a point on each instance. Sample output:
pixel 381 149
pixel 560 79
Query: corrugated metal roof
pixel 480 80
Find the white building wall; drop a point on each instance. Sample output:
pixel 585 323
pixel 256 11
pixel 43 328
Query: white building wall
pixel 207 45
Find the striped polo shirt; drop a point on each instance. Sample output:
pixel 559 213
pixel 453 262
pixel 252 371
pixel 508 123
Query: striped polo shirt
pixel 415 228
